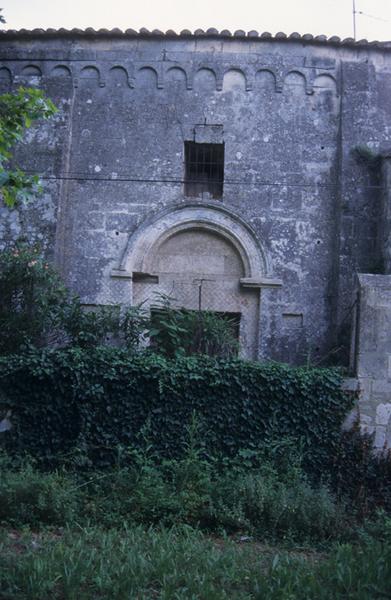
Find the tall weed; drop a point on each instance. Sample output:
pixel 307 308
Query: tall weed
pixel 29 497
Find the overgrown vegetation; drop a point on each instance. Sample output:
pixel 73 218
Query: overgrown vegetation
pixel 32 298
pixel 182 332
pixel 144 530
pixel 18 112
pixel 180 563
pixel 37 310
pixel 104 397
pixel 156 471
pixel 248 495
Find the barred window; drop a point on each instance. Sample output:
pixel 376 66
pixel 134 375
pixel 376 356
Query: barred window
pixel 204 169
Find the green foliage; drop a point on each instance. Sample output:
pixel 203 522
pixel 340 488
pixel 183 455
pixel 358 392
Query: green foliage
pixel 259 502
pixel 181 563
pixel 129 563
pixel 37 310
pixel 17 113
pixel 180 332
pixel 30 497
pixel 31 298
pixel 86 329
pixel 359 473
pixel 231 497
pixel 104 552
pixel 103 397
pixel 134 327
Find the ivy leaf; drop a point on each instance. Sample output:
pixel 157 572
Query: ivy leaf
pixel 4 178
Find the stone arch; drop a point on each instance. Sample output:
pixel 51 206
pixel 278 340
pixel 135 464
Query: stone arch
pixel 5 79
pixel 325 82
pixel 234 79
pixel 147 77
pixel 295 82
pixel 61 71
pixel 119 76
pixel 205 80
pixel 31 71
pixel 176 75
pixel 265 79
pixel 90 74
pixel 175 249
pixel 139 251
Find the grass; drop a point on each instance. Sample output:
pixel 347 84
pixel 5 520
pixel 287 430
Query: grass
pixel 260 502
pixel 181 563
pixel 185 529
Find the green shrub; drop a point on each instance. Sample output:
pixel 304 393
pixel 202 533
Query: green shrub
pixel 31 298
pixel 361 474
pixel 36 309
pixel 28 497
pixel 216 496
pixel 190 490
pixel 271 507
pixel 178 332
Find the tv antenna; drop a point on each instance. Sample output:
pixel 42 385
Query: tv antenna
pixel 364 14
pixel 354 20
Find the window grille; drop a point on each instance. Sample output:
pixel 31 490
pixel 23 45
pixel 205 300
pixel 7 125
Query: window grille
pixel 204 169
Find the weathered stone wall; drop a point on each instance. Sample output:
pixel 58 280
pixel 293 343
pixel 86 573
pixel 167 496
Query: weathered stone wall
pixel 291 113
pixel 373 356
pixel 385 229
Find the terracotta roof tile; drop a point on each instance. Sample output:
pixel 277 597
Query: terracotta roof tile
pixel 211 32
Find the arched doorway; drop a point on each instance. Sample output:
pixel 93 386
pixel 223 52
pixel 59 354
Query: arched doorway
pixel 202 256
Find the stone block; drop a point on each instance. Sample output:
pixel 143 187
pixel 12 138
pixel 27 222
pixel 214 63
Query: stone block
pixel 121 221
pixel 95 220
pixel 383 414
pixel 380 441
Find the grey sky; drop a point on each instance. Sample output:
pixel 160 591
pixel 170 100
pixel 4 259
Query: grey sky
pixel 331 17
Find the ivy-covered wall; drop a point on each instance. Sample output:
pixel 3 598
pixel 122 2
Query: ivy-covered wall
pixel 100 399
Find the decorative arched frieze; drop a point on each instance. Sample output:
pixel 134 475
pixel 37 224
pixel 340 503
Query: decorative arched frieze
pixel 325 81
pixel 200 76
pixel 234 78
pixel 176 74
pixel 204 79
pixel 265 79
pixel 118 76
pixel 296 79
pixel 61 70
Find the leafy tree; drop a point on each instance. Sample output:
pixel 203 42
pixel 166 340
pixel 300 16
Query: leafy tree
pixel 31 298
pixel 37 310
pixel 17 113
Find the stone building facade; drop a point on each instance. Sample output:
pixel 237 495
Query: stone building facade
pixel 231 171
